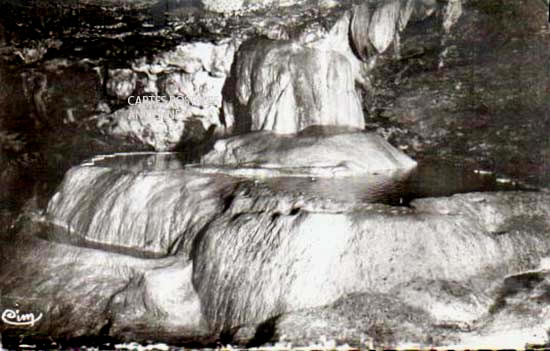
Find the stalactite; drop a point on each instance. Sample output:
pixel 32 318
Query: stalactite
pixel 382 27
pixel 359 31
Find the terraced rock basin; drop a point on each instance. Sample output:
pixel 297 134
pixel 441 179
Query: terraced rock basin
pixel 170 253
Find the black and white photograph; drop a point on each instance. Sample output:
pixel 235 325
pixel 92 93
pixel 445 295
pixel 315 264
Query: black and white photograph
pixel 271 175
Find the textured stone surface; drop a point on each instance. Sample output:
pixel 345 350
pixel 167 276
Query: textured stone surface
pixel 359 320
pixel 161 123
pixel 231 6
pixel 301 259
pixel 239 257
pixel 153 213
pixel 310 153
pixel 511 315
pixel 285 87
pixel 82 292
pixel 121 83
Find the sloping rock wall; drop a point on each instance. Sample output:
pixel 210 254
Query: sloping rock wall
pixel 153 213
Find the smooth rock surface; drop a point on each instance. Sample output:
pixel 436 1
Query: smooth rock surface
pixel 256 255
pixel 284 87
pixel 310 153
pixel 295 259
pixel 152 213
pixel 82 292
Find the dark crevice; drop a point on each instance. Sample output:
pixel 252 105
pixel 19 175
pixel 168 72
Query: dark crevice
pixel 227 201
pixel 265 332
pixel 295 211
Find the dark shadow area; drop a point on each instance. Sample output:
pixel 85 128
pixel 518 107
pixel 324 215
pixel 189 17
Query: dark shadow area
pixel 161 10
pixel 52 233
pixel 515 285
pixel 243 120
pixel 265 332
pixel 195 142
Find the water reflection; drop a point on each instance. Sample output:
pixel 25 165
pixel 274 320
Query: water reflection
pixel 430 178
pixel 140 162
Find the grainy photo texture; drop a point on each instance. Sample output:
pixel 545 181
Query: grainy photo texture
pixel 274 174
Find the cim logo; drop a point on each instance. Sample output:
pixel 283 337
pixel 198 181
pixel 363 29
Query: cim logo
pixel 15 317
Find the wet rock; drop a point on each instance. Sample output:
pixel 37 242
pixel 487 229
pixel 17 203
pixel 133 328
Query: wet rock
pixel 183 204
pixel 267 260
pixel 308 258
pixel 285 87
pixel 76 292
pixel 456 92
pixel 310 153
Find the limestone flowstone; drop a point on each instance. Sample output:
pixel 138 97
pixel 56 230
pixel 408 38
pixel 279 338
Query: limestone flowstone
pixel 176 255
pixel 261 243
pixel 291 260
pixel 143 212
pixel 311 153
pixel 284 87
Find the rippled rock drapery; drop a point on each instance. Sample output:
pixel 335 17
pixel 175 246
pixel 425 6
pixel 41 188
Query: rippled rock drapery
pixel 295 259
pixel 285 87
pixel 376 25
pixel 307 154
pixel 84 292
pixel 256 251
pixel 100 290
pixel 153 213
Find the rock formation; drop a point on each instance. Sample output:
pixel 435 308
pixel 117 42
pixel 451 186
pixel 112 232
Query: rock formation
pixel 310 153
pixel 297 228
pixel 182 205
pixel 285 87
pixel 268 254
pixel 314 257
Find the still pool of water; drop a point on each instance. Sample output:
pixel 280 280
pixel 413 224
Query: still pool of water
pixel 429 179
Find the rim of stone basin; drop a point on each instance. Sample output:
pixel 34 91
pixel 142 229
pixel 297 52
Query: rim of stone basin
pixel 252 170
pixel 92 161
pixel 434 178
